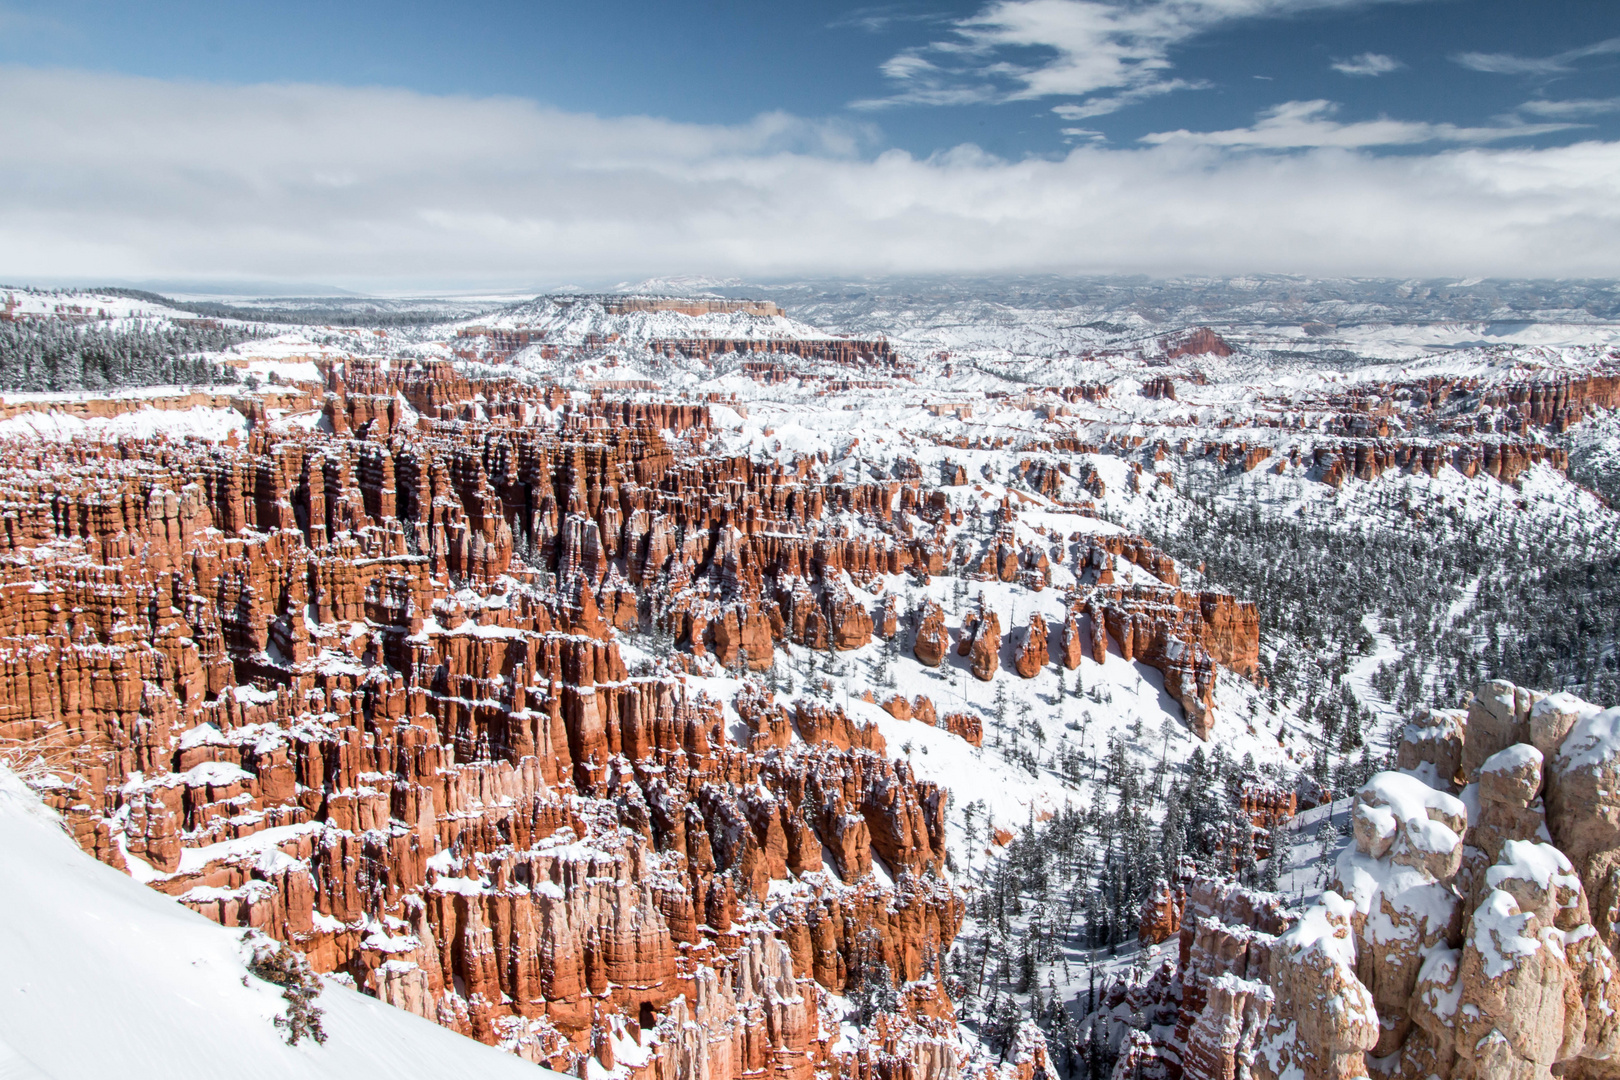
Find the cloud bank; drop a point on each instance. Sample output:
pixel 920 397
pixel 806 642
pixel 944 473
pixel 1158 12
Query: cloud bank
pixel 379 189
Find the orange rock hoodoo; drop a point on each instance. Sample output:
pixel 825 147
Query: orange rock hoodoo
pixel 308 685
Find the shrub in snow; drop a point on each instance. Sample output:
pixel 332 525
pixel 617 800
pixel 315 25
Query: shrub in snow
pixel 276 963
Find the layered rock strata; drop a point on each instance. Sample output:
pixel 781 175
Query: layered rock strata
pixel 366 695
pixel 361 687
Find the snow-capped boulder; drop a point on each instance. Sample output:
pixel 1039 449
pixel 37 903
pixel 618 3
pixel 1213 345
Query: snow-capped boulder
pixel 1431 747
pixel 1408 845
pixel 1325 1018
pixel 1583 807
pixel 1536 987
pixel 1413 824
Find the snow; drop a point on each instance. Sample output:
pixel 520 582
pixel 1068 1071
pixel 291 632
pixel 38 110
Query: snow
pixel 1000 355
pixel 216 774
pixel 1541 864
pixel 199 421
pixel 1515 758
pixel 1411 797
pixel 1319 929
pixel 1593 743
pixel 262 844
pixel 1499 934
pixel 1441 989
pixel 96 306
pixel 287 371
pixel 102 977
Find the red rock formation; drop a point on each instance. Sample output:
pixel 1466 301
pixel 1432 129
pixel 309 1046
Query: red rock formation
pixel 1160 919
pixel 435 771
pixel 1032 650
pixel 1159 387
pixel 849 621
pixel 1182 634
pixel 1072 643
pixel 1199 341
pixel 932 637
pixel 984 647
pixel 968 726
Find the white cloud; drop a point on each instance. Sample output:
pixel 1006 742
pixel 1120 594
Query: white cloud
pixel 1568 110
pixel 1368 64
pixel 1510 64
pixel 1297 124
pixel 877 19
pixel 1024 49
pixel 374 189
pixel 1102 106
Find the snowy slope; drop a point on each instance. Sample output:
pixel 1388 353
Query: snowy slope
pixel 199 421
pixel 88 305
pixel 101 977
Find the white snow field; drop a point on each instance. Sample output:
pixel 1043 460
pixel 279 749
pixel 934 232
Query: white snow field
pixel 101 977
pixel 199 421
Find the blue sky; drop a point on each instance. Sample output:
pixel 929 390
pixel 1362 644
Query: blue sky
pixel 306 141
pixel 725 62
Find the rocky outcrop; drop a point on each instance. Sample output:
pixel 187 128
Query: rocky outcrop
pixel 1457 941
pixel 983 646
pixel 1505 461
pixel 364 691
pixel 1201 1014
pixel 1031 653
pixel 1582 798
pixel 1326 1020
pixel 1182 634
pixel 932 637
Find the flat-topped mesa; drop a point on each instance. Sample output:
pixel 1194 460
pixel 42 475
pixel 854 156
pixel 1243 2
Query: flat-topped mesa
pixel 874 353
pixel 625 305
pixel 1199 341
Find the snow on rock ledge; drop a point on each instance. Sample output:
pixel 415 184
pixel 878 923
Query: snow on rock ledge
pixel 1411 823
pixel 1536 985
pixel 1460 943
pixel 1583 802
pixel 1325 1017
